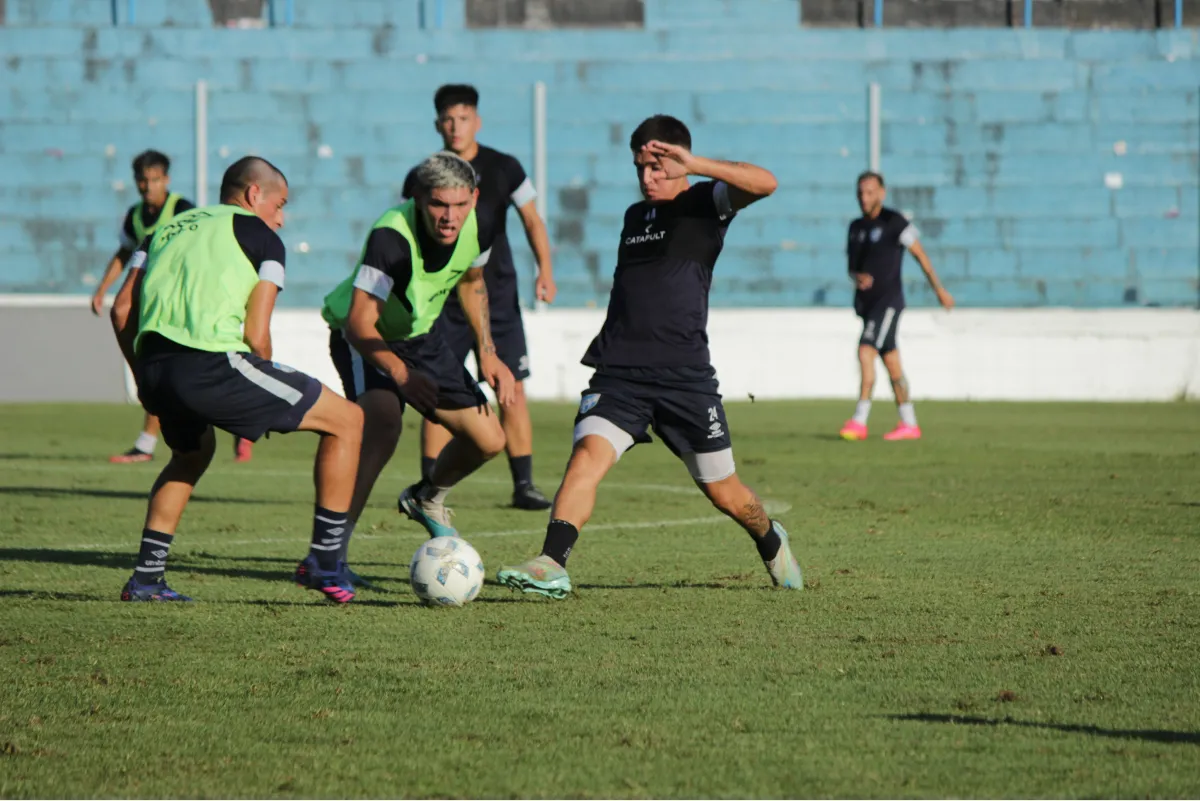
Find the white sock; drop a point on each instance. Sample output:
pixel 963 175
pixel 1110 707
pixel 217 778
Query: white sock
pixel 908 415
pixel 435 494
pixel 145 442
pixel 862 411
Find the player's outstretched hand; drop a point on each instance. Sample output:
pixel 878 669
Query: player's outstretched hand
pixel 418 388
pixel 544 288
pixel 945 298
pixel 97 304
pixel 676 161
pixel 864 281
pixel 499 378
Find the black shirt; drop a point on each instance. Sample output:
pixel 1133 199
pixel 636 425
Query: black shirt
pixel 877 247
pixel 658 307
pixel 258 241
pixel 128 237
pixel 502 181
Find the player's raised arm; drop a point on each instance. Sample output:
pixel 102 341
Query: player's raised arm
pixel 746 183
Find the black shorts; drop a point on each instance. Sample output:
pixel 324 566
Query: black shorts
pixel 880 323
pixel 428 353
pixel 189 390
pixel 682 405
pixel 508 332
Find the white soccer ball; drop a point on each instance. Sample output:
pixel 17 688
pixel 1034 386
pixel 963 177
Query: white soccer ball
pixel 446 571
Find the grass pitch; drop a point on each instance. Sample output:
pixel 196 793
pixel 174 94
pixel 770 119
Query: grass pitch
pixel 1009 607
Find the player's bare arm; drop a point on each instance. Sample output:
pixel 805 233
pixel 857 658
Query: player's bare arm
pixel 473 296
pixel 539 240
pixel 256 331
pixel 360 331
pixel 125 311
pixel 115 265
pixel 747 182
pixel 944 297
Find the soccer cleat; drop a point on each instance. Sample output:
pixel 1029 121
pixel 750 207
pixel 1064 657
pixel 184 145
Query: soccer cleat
pixel 131 456
pixel 308 565
pixel 529 498
pixel 335 585
pixel 853 431
pixel 540 575
pixel 903 431
pixel 784 569
pixel 243 449
pixel 435 517
pixel 150 592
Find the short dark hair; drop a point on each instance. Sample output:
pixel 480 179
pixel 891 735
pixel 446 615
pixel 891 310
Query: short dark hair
pixel 663 128
pixel 245 172
pixel 871 174
pixel 455 94
pixel 151 158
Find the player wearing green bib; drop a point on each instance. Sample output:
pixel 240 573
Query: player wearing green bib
pixel 193 319
pixel 388 352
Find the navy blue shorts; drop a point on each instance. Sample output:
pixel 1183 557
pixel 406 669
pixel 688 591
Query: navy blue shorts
pixel 880 323
pixel 508 334
pixel 681 405
pixel 428 353
pixel 190 390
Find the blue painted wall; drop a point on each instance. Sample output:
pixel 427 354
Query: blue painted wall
pixel 998 142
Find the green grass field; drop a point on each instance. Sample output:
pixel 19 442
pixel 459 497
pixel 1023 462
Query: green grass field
pixel 1010 607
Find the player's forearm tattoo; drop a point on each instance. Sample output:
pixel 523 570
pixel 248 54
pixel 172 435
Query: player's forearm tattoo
pixel 485 320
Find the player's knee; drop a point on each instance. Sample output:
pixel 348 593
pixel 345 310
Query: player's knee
pixel 491 441
pixel 729 495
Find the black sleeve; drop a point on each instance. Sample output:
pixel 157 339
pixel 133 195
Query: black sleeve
pixel 127 236
pixel 514 175
pixel 388 254
pixel 410 184
pixel 700 200
pixel 486 233
pixel 183 204
pixel 262 247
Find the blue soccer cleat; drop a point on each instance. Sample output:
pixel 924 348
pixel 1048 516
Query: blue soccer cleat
pixel 336 585
pixel 159 591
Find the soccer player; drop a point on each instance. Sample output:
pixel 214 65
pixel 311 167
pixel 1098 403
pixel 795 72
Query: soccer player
pixel 389 353
pixel 193 319
pixel 502 182
pixel 651 357
pixel 875 251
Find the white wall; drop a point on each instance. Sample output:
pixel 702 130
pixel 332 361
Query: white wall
pixel 967 354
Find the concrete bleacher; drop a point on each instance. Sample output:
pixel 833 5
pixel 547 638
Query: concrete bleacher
pixel 997 141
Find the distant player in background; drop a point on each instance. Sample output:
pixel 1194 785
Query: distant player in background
pixel 194 321
pixel 653 369
pixel 875 251
pixel 158 206
pixel 502 182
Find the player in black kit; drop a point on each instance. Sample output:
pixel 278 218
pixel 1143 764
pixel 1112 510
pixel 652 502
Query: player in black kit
pixel 653 369
pixel 875 251
pixel 502 181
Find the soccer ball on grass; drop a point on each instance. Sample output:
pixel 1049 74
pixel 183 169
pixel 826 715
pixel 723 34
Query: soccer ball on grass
pixel 446 571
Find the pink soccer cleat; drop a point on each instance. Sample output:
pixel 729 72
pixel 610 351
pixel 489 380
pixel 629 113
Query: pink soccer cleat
pixel 903 431
pixel 243 449
pixel 853 431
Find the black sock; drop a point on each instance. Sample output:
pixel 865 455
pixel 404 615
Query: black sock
pixel 560 538
pixel 768 544
pixel 427 463
pixel 330 530
pixel 152 556
pixel 344 550
pixel 521 468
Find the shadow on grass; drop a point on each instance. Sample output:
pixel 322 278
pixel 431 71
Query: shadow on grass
pixel 125 560
pixel 143 496
pixel 1150 735
pixel 52 457
pixel 47 595
pixel 676 585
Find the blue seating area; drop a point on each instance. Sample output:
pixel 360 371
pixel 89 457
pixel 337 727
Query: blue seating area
pixel 1043 167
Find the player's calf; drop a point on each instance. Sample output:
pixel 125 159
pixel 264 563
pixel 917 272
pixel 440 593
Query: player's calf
pixel 740 502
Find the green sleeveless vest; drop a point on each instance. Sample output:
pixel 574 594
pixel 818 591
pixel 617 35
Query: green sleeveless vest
pixel 165 215
pixel 197 282
pixel 412 310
